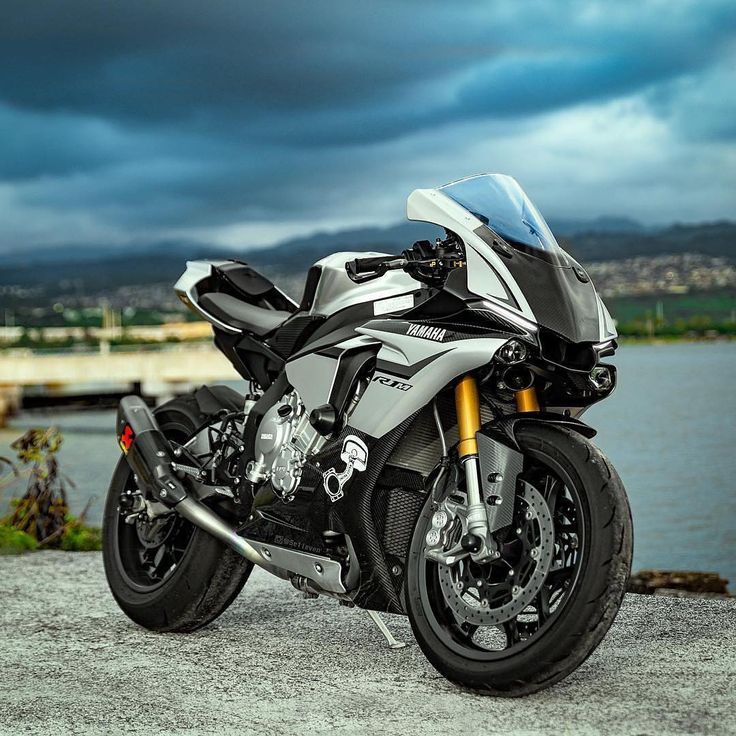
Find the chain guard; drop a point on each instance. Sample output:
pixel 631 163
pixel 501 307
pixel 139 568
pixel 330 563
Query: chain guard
pixel 485 594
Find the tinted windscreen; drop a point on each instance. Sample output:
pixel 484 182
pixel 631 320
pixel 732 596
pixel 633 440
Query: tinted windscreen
pixel 501 205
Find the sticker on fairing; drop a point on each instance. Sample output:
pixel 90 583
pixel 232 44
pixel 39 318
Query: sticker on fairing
pixel 392 383
pixel 394 304
pixel 126 438
pixel 355 456
pixel 427 332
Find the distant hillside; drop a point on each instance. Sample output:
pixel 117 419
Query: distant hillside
pixel 93 270
pixel 711 239
pixel 292 255
pixel 101 268
pixel 604 224
pixel 585 244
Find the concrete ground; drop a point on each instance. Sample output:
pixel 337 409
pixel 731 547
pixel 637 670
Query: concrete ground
pixel 71 662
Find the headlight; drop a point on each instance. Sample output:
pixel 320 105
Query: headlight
pixel 512 352
pixel 601 378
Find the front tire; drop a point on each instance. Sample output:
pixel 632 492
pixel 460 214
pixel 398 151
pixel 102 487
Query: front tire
pixel 190 578
pixel 542 645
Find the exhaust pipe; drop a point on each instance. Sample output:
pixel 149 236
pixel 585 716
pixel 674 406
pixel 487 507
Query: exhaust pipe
pixel 150 456
pixel 202 517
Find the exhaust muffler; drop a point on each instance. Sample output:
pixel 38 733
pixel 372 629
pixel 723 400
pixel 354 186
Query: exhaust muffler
pixel 150 456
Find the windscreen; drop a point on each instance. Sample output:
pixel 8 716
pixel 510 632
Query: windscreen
pixel 501 205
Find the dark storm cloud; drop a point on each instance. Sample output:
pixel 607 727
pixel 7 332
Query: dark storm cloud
pixel 291 70
pixel 184 113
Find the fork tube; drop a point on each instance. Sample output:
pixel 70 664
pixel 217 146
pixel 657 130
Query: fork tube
pixel 526 400
pixel 467 407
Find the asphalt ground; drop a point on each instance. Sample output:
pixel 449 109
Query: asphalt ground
pixel 274 663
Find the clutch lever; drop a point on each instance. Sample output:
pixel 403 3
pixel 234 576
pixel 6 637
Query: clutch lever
pixel 361 270
pixel 360 278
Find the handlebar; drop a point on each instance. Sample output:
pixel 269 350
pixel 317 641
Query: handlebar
pixel 364 269
pixel 425 262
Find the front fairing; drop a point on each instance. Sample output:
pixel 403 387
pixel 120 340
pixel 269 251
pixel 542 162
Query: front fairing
pixel 512 256
pixel 561 297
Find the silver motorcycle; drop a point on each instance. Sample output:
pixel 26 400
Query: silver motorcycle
pixel 411 442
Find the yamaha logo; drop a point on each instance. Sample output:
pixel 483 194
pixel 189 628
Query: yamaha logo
pixel 427 332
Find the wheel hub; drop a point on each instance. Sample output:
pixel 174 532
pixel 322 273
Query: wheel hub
pixel 154 532
pixel 497 591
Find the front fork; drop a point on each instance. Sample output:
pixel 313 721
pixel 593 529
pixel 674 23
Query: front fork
pixel 467 408
pixel 478 541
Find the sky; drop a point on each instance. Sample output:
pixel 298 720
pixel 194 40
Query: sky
pixel 239 124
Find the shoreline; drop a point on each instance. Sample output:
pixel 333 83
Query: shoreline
pixel 674 340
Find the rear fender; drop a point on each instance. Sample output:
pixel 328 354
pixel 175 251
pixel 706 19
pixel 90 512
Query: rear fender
pixel 213 400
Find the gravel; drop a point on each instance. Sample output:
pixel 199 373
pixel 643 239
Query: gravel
pixel 71 662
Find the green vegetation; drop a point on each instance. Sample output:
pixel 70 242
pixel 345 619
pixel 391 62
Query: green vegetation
pixel 14 541
pixel 59 315
pixel 675 315
pixel 40 518
pixel 718 306
pixel 80 538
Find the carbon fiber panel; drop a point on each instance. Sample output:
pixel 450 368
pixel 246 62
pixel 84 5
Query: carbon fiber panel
pixel 420 448
pixel 293 333
pixel 505 463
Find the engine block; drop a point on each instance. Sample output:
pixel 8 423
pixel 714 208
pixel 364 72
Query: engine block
pixel 284 440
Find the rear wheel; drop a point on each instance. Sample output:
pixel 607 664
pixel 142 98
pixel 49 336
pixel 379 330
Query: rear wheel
pixel 527 619
pixel 165 573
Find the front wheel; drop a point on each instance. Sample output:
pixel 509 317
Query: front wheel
pixel 528 618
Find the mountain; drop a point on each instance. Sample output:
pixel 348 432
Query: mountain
pixel 293 254
pixel 712 239
pixel 84 269
pixel 604 224
pixel 81 254
pixel 94 270
pixel 617 238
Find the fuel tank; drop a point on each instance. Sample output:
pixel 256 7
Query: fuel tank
pixel 335 291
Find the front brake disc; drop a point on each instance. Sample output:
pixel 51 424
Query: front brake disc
pixel 487 595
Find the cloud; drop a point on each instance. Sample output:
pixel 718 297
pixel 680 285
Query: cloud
pixel 128 120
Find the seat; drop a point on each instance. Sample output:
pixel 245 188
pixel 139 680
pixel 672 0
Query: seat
pixel 242 315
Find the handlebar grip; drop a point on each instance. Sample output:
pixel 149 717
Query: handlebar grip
pixel 368 265
pixel 365 269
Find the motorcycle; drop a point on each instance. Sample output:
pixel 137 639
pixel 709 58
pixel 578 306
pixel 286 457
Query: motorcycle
pixel 411 443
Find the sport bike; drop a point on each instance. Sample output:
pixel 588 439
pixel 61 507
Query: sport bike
pixel 410 442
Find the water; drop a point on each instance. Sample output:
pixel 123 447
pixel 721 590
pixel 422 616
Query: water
pixel 669 429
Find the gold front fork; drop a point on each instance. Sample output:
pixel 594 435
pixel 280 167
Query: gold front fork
pixel 467 406
pixel 526 400
pixel 478 541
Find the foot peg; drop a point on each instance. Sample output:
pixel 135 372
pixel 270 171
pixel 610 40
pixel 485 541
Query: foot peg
pixel 378 621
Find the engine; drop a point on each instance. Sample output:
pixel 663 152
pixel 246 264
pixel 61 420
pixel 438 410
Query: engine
pixel 284 440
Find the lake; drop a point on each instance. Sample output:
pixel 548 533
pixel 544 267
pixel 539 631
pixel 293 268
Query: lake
pixel 670 430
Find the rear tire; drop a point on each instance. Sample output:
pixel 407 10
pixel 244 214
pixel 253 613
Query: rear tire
pixel 572 632
pixel 206 578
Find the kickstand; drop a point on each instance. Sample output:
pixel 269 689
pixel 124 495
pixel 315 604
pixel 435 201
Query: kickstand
pixel 378 621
